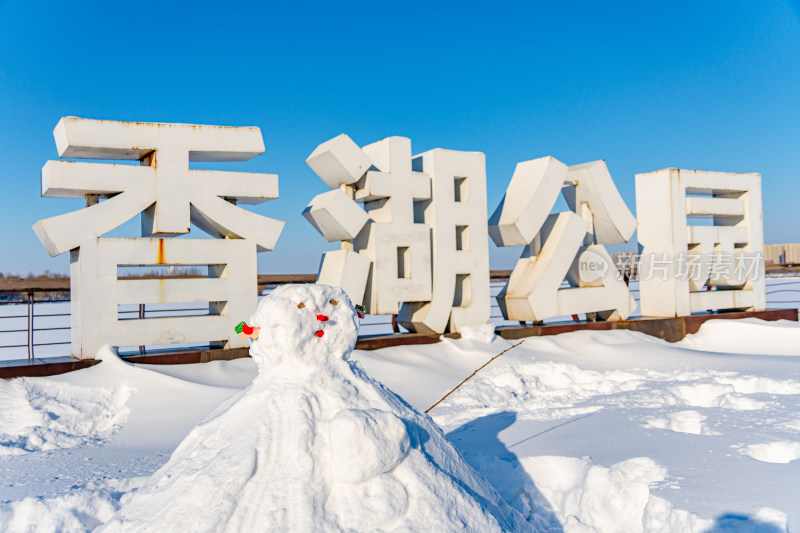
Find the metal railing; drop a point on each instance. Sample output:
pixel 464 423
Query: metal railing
pixel 31 326
pixel 30 329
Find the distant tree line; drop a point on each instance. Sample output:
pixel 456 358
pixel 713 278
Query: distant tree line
pixel 166 271
pixel 44 275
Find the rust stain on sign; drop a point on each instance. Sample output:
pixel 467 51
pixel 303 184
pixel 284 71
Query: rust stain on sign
pixel 161 259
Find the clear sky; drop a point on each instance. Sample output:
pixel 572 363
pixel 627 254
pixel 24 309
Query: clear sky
pixel 645 85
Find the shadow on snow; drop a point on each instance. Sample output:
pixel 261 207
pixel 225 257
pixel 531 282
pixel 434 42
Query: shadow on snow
pixel 478 442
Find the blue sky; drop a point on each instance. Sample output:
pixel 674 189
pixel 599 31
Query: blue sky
pixel 644 85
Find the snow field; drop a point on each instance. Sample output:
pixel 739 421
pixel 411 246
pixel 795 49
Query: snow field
pixel 588 431
pixel 605 404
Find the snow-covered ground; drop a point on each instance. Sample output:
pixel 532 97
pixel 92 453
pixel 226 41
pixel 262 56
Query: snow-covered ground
pixel 617 429
pixel 587 431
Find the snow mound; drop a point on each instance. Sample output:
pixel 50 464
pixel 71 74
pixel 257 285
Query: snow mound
pixel 760 385
pixel 774 452
pixel 40 414
pixel 771 517
pixel 746 336
pixel 77 511
pixel 314 444
pixel 587 497
pixel 660 516
pixel 714 395
pixel 682 422
pixel 480 332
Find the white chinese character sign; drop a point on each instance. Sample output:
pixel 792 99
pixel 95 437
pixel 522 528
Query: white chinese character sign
pixel 170 196
pixel 565 245
pixel 701 240
pixel 419 245
pixel 413 231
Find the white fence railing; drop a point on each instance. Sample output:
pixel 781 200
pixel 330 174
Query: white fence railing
pixel 42 329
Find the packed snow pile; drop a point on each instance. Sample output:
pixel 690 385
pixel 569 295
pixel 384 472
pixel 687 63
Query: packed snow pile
pixel 314 444
pixel 44 415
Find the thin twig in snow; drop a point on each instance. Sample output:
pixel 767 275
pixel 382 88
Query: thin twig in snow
pixel 468 377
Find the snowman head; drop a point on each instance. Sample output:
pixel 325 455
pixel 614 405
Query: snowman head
pixel 313 323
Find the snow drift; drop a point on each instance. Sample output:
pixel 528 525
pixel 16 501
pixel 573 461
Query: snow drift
pixel 44 415
pixel 314 444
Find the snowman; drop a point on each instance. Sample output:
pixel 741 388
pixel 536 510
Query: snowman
pixel 314 444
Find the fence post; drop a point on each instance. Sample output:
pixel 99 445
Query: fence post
pixel 30 327
pixel 141 315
